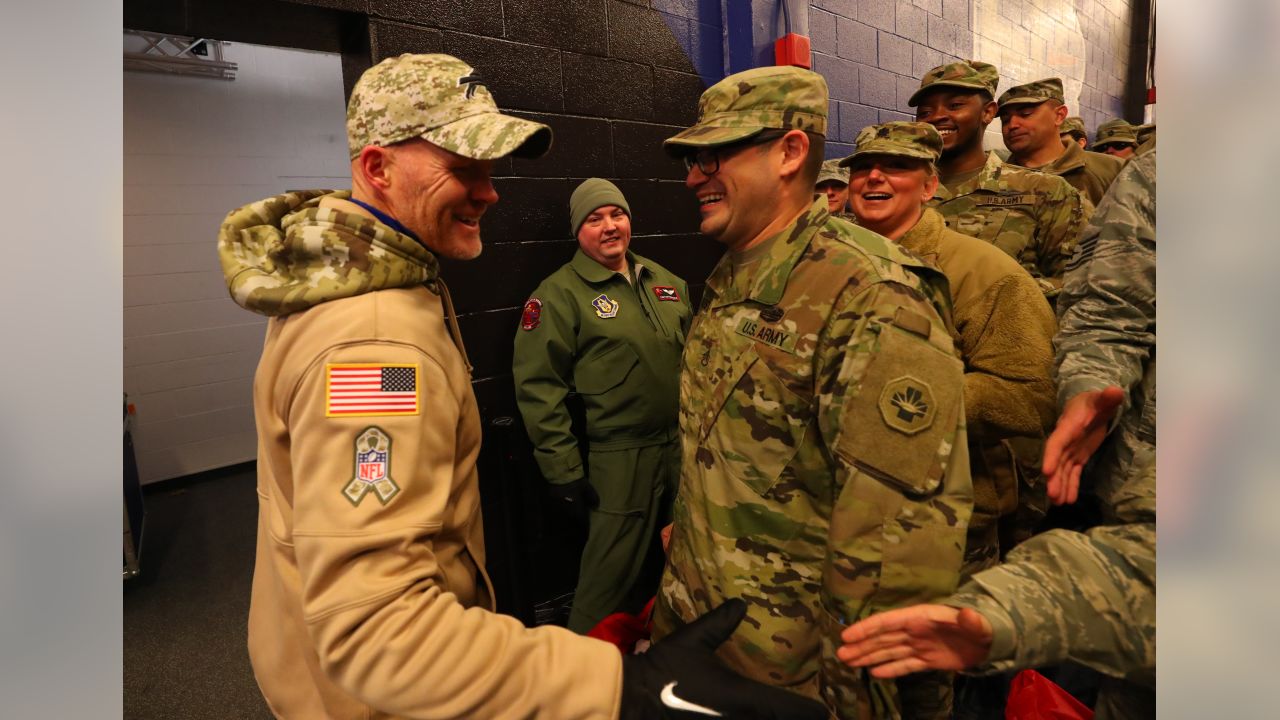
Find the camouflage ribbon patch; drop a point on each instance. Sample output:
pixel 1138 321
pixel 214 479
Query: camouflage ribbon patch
pixel 605 307
pixel 1006 200
pixel 372 468
pixel 532 316
pixel 751 327
pixel 907 405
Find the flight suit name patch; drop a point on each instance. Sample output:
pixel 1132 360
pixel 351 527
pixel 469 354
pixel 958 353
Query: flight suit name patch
pixel 372 468
pixel 605 307
pixel 1005 200
pixel 772 336
pixel 907 405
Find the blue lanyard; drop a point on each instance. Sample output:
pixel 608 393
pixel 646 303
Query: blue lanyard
pixel 389 221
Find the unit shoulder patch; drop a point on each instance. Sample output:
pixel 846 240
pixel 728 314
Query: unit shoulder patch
pixel 907 405
pixel 531 318
pixel 370 389
pixel 372 468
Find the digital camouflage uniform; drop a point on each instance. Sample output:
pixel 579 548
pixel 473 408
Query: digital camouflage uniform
pixel 1003 330
pixel 1107 320
pixel 617 345
pixel 1088 598
pixel 825 472
pixel 1088 172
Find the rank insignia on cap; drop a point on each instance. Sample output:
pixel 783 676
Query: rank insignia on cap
pixel 906 404
pixel 532 316
pixel 605 307
pixel 667 293
pixel 372 468
pixel 370 389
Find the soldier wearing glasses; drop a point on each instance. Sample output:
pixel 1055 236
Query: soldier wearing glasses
pixel 825 474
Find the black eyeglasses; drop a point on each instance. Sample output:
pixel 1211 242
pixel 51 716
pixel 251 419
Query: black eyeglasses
pixel 708 160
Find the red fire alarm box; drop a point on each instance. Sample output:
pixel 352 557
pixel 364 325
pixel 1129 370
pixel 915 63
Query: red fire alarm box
pixel 792 49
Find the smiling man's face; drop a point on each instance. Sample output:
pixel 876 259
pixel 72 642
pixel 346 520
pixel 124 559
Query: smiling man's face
pixel 440 196
pixel 960 115
pixel 605 236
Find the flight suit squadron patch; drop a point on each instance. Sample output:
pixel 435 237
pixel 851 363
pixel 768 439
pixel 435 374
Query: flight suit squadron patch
pixel 372 468
pixel 907 405
pixel 605 307
pixel 532 316
pixel 666 293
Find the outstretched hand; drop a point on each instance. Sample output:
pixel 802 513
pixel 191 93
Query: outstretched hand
pixel 1081 428
pixel 916 638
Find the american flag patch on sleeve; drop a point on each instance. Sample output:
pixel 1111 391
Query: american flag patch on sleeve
pixel 362 390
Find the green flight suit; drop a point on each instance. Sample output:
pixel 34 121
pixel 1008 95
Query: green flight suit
pixel 617 344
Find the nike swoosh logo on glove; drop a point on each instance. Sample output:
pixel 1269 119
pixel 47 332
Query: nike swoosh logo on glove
pixel 671 700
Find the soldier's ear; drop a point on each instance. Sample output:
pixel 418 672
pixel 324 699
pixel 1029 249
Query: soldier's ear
pixel 374 166
pixel 795 149
pixel 989 112
pixel 1060 114
pixel 930 187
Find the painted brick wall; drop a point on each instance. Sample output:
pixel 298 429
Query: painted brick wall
pixel 873 52
pixel 195 148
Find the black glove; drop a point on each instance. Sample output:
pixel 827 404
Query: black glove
pixel 577 497
pixel 681 678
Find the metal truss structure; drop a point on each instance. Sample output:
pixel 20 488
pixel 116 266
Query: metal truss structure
pixel 176 55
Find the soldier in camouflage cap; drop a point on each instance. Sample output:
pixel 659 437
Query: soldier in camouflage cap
pixel 1072 131
pixel 833 182
pixel 820 410
pixel 1116 137
pixel 1002 322
pixel 369 593
pixel 1031 118
pixel 1033 217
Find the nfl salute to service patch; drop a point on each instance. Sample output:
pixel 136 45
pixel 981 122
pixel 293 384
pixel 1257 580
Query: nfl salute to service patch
pixel 370 389
pixel 372 468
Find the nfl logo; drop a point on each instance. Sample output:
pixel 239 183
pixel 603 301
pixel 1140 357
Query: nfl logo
pixel 371 466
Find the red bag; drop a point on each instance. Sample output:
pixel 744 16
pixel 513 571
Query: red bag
pixel 625 629
pixel 1033 696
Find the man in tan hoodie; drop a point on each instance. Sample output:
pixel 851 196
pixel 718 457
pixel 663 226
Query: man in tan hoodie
pixel 370 598
pixel 1002 324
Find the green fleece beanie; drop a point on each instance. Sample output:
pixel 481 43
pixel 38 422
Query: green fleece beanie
pixel 591 194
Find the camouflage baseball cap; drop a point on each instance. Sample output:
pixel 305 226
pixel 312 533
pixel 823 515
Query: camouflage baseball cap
pixel 440 99
pixel 747 103
pixel 972 74
pixel 901 138
pixel 1115 131
pixel 1073 126
pixel 832 170
pixel 1032 93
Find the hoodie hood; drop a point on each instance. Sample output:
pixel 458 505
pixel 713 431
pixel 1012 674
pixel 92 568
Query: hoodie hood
pixel 286 254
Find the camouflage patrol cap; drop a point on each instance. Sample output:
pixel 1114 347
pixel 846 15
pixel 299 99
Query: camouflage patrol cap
pixel 1073 126
pixel 900 138
pixel 747 103
pixel 440 99
pixel 972 74
pixel 1116 130
pixel 1032 93
pixel 832 170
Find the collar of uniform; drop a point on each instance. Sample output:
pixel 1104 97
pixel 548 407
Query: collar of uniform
pixel 1069 160
pixel 594 272
pixel 990 171
pixel 765 281
pixel 922 238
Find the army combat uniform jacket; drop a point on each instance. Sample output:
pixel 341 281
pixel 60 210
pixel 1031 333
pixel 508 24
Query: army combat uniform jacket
pixel 1004 331
pixel 586 329
pixel 825 471
pixel 369 592
pixel 1089 172
pixel 1035 218
pixel 1107 320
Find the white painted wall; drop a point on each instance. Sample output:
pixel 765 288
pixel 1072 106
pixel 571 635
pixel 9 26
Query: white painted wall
pixel 194 149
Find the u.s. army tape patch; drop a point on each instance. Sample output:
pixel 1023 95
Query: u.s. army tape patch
pixel 372 468
pixel 907 405
pixel 771 335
